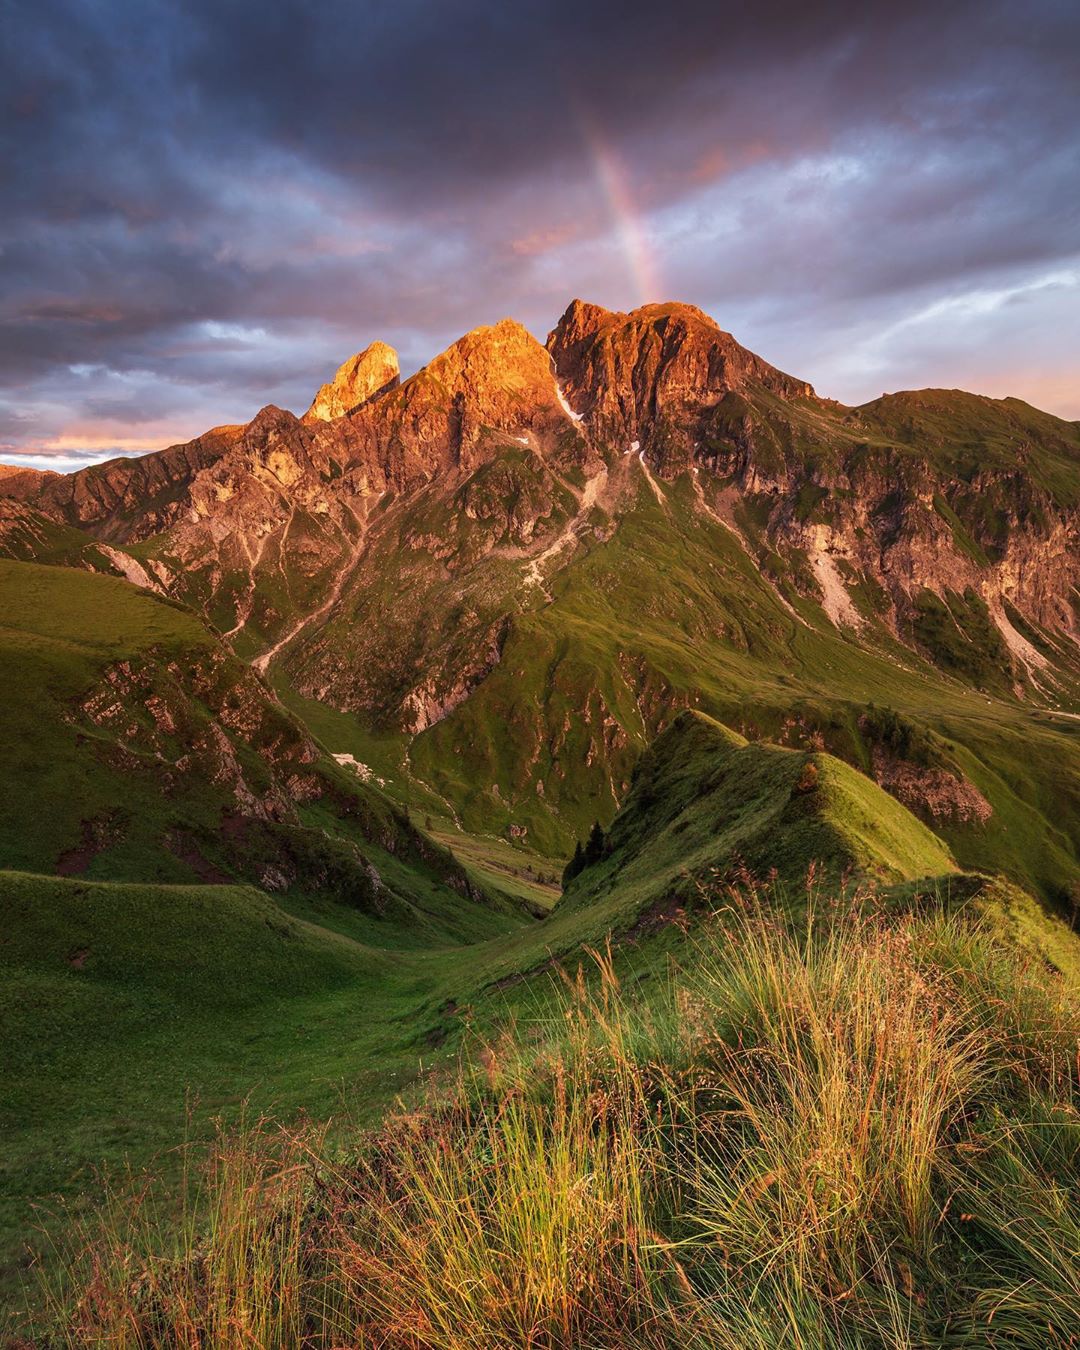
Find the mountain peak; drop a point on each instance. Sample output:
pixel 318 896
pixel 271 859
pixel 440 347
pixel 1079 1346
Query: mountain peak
pixel 582 319
pixel 506 339
pixel 498 357
pixel 358 379
pixel 652 376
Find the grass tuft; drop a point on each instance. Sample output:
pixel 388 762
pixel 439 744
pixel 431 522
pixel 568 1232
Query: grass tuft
pixel 857 1130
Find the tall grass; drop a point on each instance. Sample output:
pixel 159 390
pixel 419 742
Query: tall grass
pixel 232 1268
pixel 855 1133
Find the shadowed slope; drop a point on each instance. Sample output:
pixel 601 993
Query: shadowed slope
pixel 136 747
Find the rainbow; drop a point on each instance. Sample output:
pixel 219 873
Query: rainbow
pixel 629 229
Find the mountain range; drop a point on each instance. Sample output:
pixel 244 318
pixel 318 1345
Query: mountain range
pixel 493 583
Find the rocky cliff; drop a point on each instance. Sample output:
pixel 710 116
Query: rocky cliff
pixel 364 376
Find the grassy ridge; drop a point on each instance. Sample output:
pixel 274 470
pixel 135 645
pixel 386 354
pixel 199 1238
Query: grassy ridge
pixel 705 802
pixel 125 999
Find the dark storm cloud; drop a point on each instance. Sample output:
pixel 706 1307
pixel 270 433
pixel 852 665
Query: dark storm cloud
pixel 209 204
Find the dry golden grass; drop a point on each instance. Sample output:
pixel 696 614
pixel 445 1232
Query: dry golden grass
pixel 863 1133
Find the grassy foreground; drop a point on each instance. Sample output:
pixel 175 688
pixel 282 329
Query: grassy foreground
pixel 851 1130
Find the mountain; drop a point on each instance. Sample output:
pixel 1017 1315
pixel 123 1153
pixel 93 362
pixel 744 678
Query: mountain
pixel 502 577
pixel 303 717
pixel 364 376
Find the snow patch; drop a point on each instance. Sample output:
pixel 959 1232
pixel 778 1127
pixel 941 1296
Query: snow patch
pixel 564 404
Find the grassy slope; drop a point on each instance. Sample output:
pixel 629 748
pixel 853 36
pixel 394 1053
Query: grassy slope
pixel 59 630
pixel 855 1133
pixel 61 774
pixel 705 803
pixel 127 1002
pixel 124 1006
pixel 672 610
pixel 123 1000
pixel 28 535
pixel 969 435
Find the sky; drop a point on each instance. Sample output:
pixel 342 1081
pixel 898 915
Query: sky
pixel 209 204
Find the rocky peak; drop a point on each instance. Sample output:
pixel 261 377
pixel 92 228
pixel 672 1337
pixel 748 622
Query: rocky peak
pixel 581 322
pixel 267 422
pixel 272 454
pixel 653 376
pixel 489 362
pixel 494 383
pixel 360 378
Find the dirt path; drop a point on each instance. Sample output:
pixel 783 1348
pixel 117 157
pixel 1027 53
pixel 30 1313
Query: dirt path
pixel 243 609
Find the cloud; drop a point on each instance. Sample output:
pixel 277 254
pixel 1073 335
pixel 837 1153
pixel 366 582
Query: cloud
pixel 208 206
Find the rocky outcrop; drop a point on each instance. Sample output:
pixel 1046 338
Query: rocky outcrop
pixel 200 719
pixel 654 377
pixel 934 793
pixel 123 500
pixel 16 480
pixel 364 376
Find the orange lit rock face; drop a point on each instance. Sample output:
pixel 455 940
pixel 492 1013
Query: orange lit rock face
pixel 654 376
pixel 451 416
pixel 364 376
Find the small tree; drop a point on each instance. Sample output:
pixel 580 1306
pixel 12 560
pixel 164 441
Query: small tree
pixel 574 866
pixel 597 845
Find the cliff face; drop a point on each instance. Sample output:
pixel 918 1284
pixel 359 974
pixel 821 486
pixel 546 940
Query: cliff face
pixel 257 525
pixel 123 500
pixel 493 384
pixel 364 376
pixel 940 492
pixel 655 376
